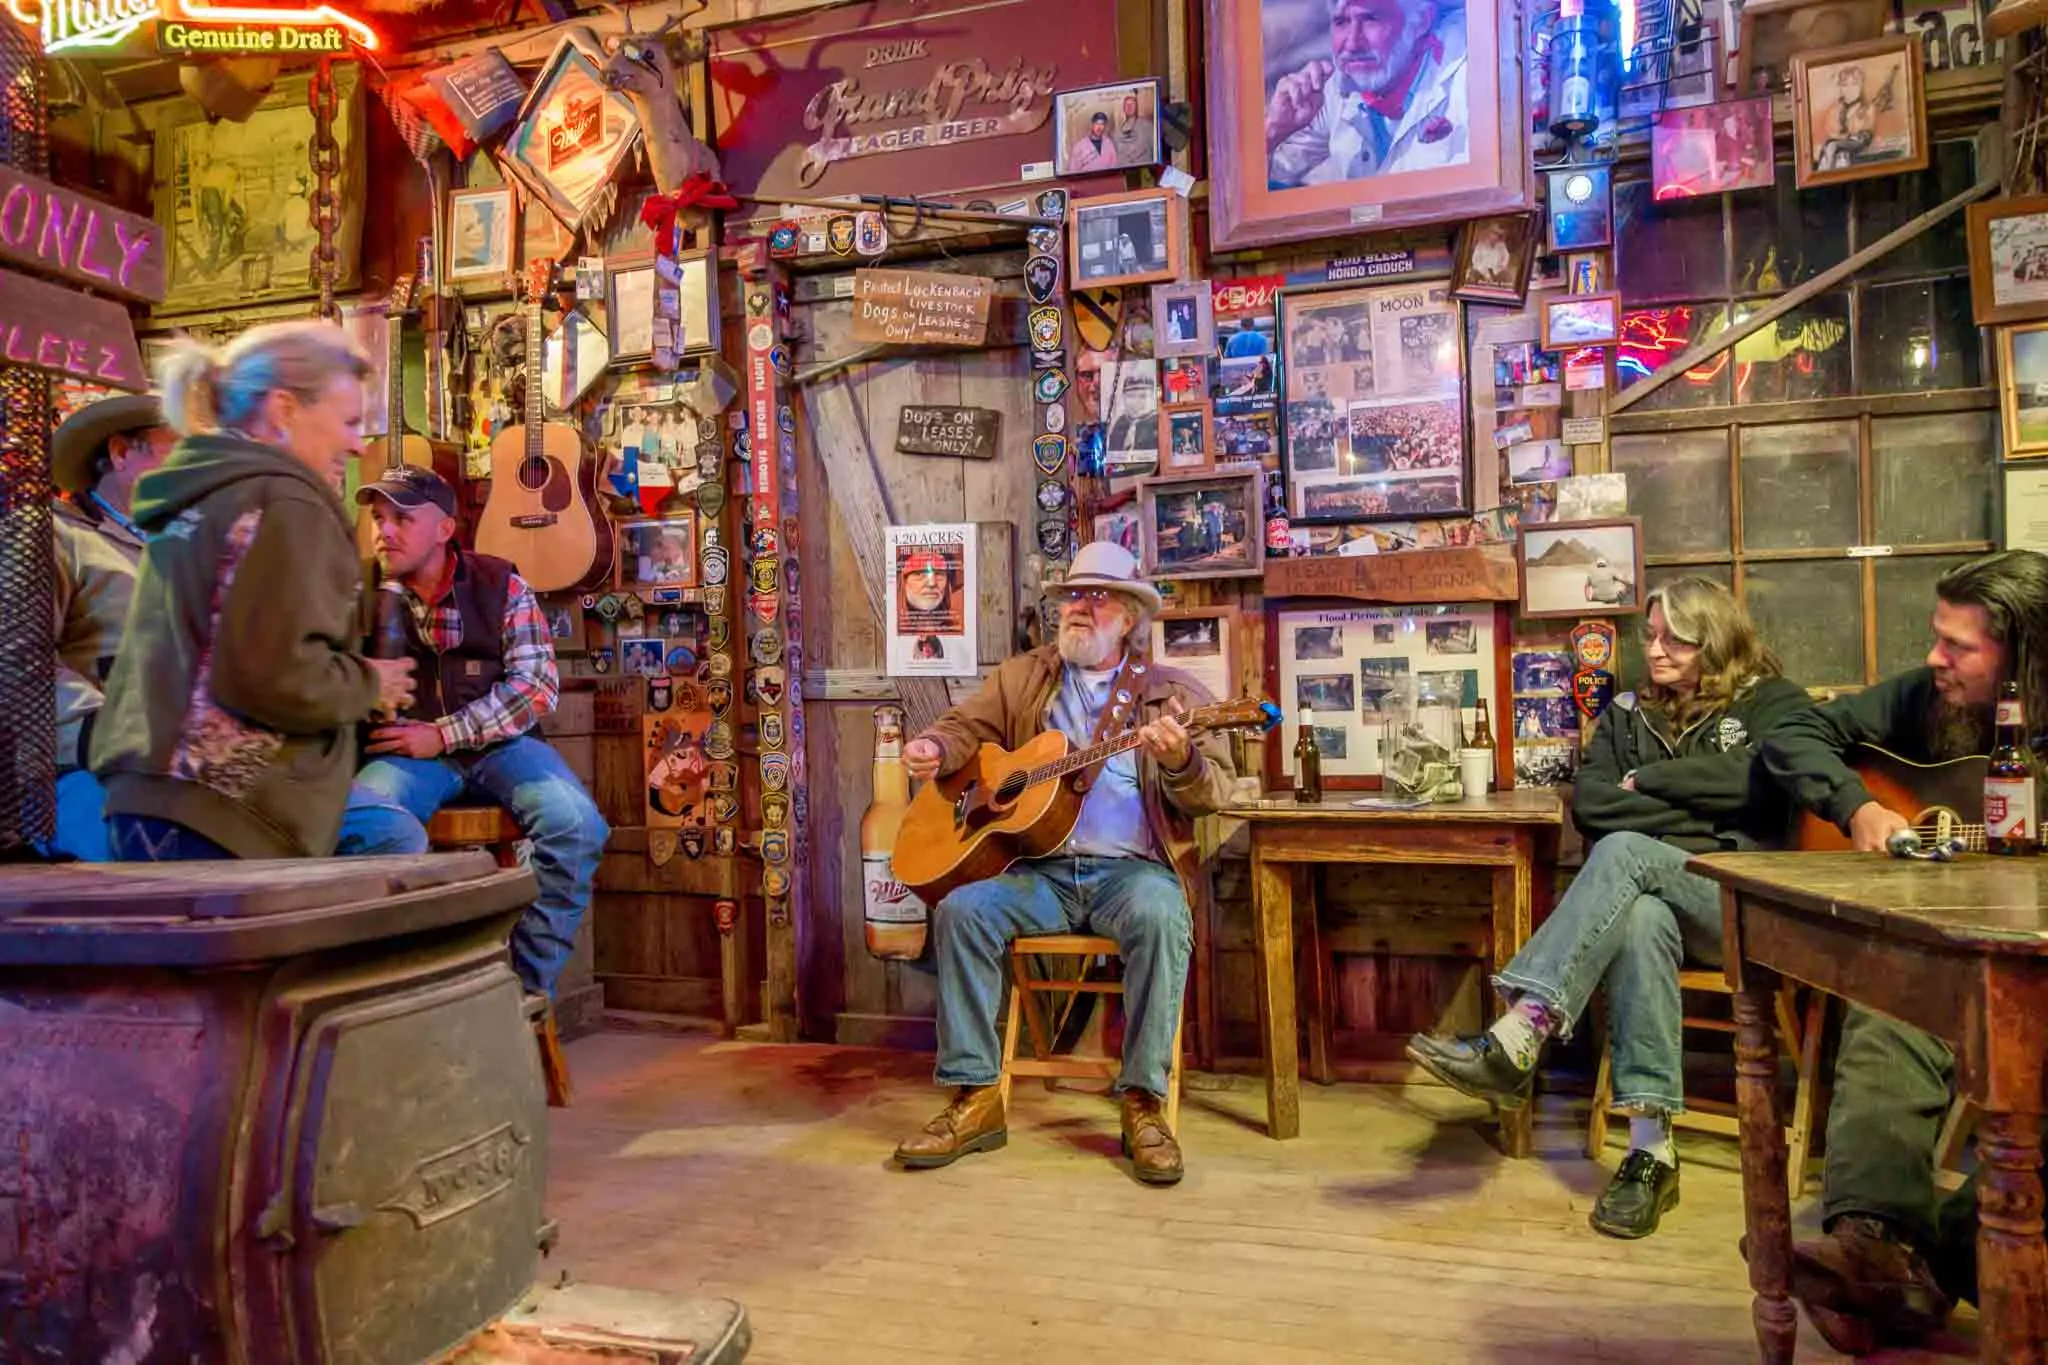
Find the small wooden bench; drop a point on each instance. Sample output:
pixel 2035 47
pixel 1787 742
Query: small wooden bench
pixel 493 828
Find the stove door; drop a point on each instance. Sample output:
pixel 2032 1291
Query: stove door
pixel 418 1147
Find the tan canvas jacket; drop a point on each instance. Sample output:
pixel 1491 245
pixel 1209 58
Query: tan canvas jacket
pixel 1013 706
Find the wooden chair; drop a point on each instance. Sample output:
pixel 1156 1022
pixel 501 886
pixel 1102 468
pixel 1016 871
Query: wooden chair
pixel 1026 1007
pixel 494 829
pixel 1801 1034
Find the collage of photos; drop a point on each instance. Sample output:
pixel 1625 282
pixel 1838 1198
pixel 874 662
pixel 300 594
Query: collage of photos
pixel 1544 722
pixel 1354 668
pixel 1374 426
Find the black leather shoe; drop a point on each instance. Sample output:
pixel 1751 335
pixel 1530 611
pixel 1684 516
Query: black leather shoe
pixel 1642 1191
pixel 1477 1066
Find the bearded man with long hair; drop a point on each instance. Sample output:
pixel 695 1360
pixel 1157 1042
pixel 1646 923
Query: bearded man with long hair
pixel 1895 1255
pixel 1126 872
pixel 1672 771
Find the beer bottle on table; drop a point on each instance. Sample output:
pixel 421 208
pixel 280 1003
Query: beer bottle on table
pixel 1482 728
pixel 2010 810
pixel 1308 762
pixel 896 920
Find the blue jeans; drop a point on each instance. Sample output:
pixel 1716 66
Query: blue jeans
pixel 527 778
pixel 1132 900
pixel 1632 918
pixel 147 839
pixel 82 818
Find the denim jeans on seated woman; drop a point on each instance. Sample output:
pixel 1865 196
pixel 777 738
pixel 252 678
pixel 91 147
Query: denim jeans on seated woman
pixel 1632 918
pixel 147 839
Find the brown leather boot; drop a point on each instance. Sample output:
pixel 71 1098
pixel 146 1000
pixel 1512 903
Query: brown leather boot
pixel 973 1122
pixel 1864 1287
pixel 1148 1142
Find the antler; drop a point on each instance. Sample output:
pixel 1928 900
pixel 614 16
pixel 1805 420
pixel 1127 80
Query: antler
pixel 625 13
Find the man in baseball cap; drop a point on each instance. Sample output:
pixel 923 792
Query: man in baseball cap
pixel 96 456
pixel 1125 871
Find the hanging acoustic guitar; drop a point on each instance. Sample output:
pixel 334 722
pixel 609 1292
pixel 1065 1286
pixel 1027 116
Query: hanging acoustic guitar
pixel 1003 805
pixel 543 512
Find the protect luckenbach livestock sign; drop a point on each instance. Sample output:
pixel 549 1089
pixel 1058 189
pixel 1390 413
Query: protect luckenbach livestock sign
pixel 48 328
pixel 920 308
pixel 969 433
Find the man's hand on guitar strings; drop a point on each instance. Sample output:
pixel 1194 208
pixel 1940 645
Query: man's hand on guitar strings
pixel 1873 825
pixel 1166 739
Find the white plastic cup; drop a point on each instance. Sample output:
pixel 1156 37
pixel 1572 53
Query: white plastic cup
pixel 1475 771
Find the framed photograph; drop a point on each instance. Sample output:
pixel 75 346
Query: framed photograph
pixel 643 656
pixel 1582 568
pixel 1581 320
pixel 1711 149
pixel 1130 238
pixel 1107 128
pixel 629 308
pixel 2008 259
pixel 1118 528
pixel 2023 389
pixel 1858 111
pixel 1771 33
pixel 697 320
pixel 1184 438
pixel 573 134
pixel 1202 525
pixel 482 227
pixel 1579 204
pixel 565 623
pixel 1130 418
pixel 1372 423
pixel 235 228
pixel 2026 507
pixel 1201 642
pixel 658 553
pixel 1494 258
pixel 1183 320
pixel 1287 164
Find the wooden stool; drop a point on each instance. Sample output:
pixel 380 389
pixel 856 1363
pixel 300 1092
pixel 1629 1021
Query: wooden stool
pixel 493 828
pixel 1802 1040
pixel 1024 1004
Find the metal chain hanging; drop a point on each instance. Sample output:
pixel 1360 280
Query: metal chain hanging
pixel 325 155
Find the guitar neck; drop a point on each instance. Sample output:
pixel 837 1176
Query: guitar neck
pixel 394 394
pixel 1087 758
pixel 536 376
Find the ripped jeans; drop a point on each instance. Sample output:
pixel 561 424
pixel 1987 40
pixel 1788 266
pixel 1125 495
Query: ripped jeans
pixel 1632 918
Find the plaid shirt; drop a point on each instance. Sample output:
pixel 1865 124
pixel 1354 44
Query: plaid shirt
pixel 529 687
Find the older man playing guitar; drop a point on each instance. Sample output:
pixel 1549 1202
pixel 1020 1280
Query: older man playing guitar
pixel 1123 872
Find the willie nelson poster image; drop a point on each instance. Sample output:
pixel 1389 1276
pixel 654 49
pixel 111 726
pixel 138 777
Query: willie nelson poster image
pixel 932 617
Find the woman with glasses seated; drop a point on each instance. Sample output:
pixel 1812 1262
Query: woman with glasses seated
pixel 1672 771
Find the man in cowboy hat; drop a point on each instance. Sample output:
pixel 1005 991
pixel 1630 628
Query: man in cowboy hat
pixel 1125 872
pixel 95 458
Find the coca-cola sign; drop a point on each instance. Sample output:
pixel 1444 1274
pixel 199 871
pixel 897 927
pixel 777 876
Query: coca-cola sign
pixel 901 96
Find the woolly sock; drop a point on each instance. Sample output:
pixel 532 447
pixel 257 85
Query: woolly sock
pixel 1522 1031
pixel 1652 1133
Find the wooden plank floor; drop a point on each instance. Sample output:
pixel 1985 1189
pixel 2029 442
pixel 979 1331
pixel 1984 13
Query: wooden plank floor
pixel 761 1173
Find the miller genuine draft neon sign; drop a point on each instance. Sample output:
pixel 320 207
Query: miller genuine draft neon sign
pixel 192 26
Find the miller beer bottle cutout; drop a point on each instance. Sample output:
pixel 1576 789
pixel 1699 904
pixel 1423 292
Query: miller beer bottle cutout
pixel 2010 810
pixel 1308 762
pixel 896 919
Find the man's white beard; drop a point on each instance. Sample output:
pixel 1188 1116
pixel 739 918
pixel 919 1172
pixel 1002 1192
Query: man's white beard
pixel 1376 83
pixel 1093 647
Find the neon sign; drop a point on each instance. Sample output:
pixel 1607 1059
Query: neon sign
pixel 192 26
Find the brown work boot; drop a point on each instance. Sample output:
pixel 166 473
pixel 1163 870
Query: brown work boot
pixel 1148 1142
pixel 973 1122
pixel 1864 1287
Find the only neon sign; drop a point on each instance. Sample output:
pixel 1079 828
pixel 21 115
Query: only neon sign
pixel 74 25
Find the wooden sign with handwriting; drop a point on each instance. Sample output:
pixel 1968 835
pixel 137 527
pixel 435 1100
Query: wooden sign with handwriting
pixel 49 328
pixel 59 232
pixel 969 433
pixel 1471 573
pixel 920 308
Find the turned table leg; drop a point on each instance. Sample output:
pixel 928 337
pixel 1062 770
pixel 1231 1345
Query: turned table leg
pixel 1766 1202
pixel 1513 907
pixel 2012 1266
pixel 1273 931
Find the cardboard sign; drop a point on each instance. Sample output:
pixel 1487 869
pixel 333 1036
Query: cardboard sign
pixel 58 232
pixel 968 433
pixel 920 307
pixel 1478 573
pixel 48 328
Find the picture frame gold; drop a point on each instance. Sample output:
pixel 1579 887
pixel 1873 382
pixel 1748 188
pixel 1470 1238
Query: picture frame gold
pixel 2008 259
pixel 1893 57
pixel 1601 324
pixel 1551 595
pixel 2023 370
pixel 1174 417
pixel 1520 235
pixel 1095 225
pixel 1238 490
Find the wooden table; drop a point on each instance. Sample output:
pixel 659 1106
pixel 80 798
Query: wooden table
pixel 1958 949
pixel 1501 831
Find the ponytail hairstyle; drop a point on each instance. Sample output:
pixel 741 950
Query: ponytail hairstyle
pixel 206 389
pixel 1733 657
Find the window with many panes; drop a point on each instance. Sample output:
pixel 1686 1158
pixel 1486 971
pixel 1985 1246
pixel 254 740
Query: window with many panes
pixel 1834 463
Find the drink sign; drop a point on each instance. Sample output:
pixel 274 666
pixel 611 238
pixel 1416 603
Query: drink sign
pixel 47 328
pixel 967 433
pixel 920 308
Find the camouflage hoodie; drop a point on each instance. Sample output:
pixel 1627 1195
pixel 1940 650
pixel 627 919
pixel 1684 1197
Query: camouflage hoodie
pixel 232 707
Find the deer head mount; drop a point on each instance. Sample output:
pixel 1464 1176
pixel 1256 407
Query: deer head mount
pixel 642 68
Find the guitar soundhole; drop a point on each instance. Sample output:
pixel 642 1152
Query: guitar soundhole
pixel 534 473
pixel 1012 787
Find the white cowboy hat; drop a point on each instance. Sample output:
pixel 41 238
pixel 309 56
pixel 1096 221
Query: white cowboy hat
pixel 1106 564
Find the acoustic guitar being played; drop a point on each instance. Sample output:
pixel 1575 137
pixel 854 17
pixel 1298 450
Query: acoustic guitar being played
pixel 1943 802
pixel 1003 805
pixel 543 513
